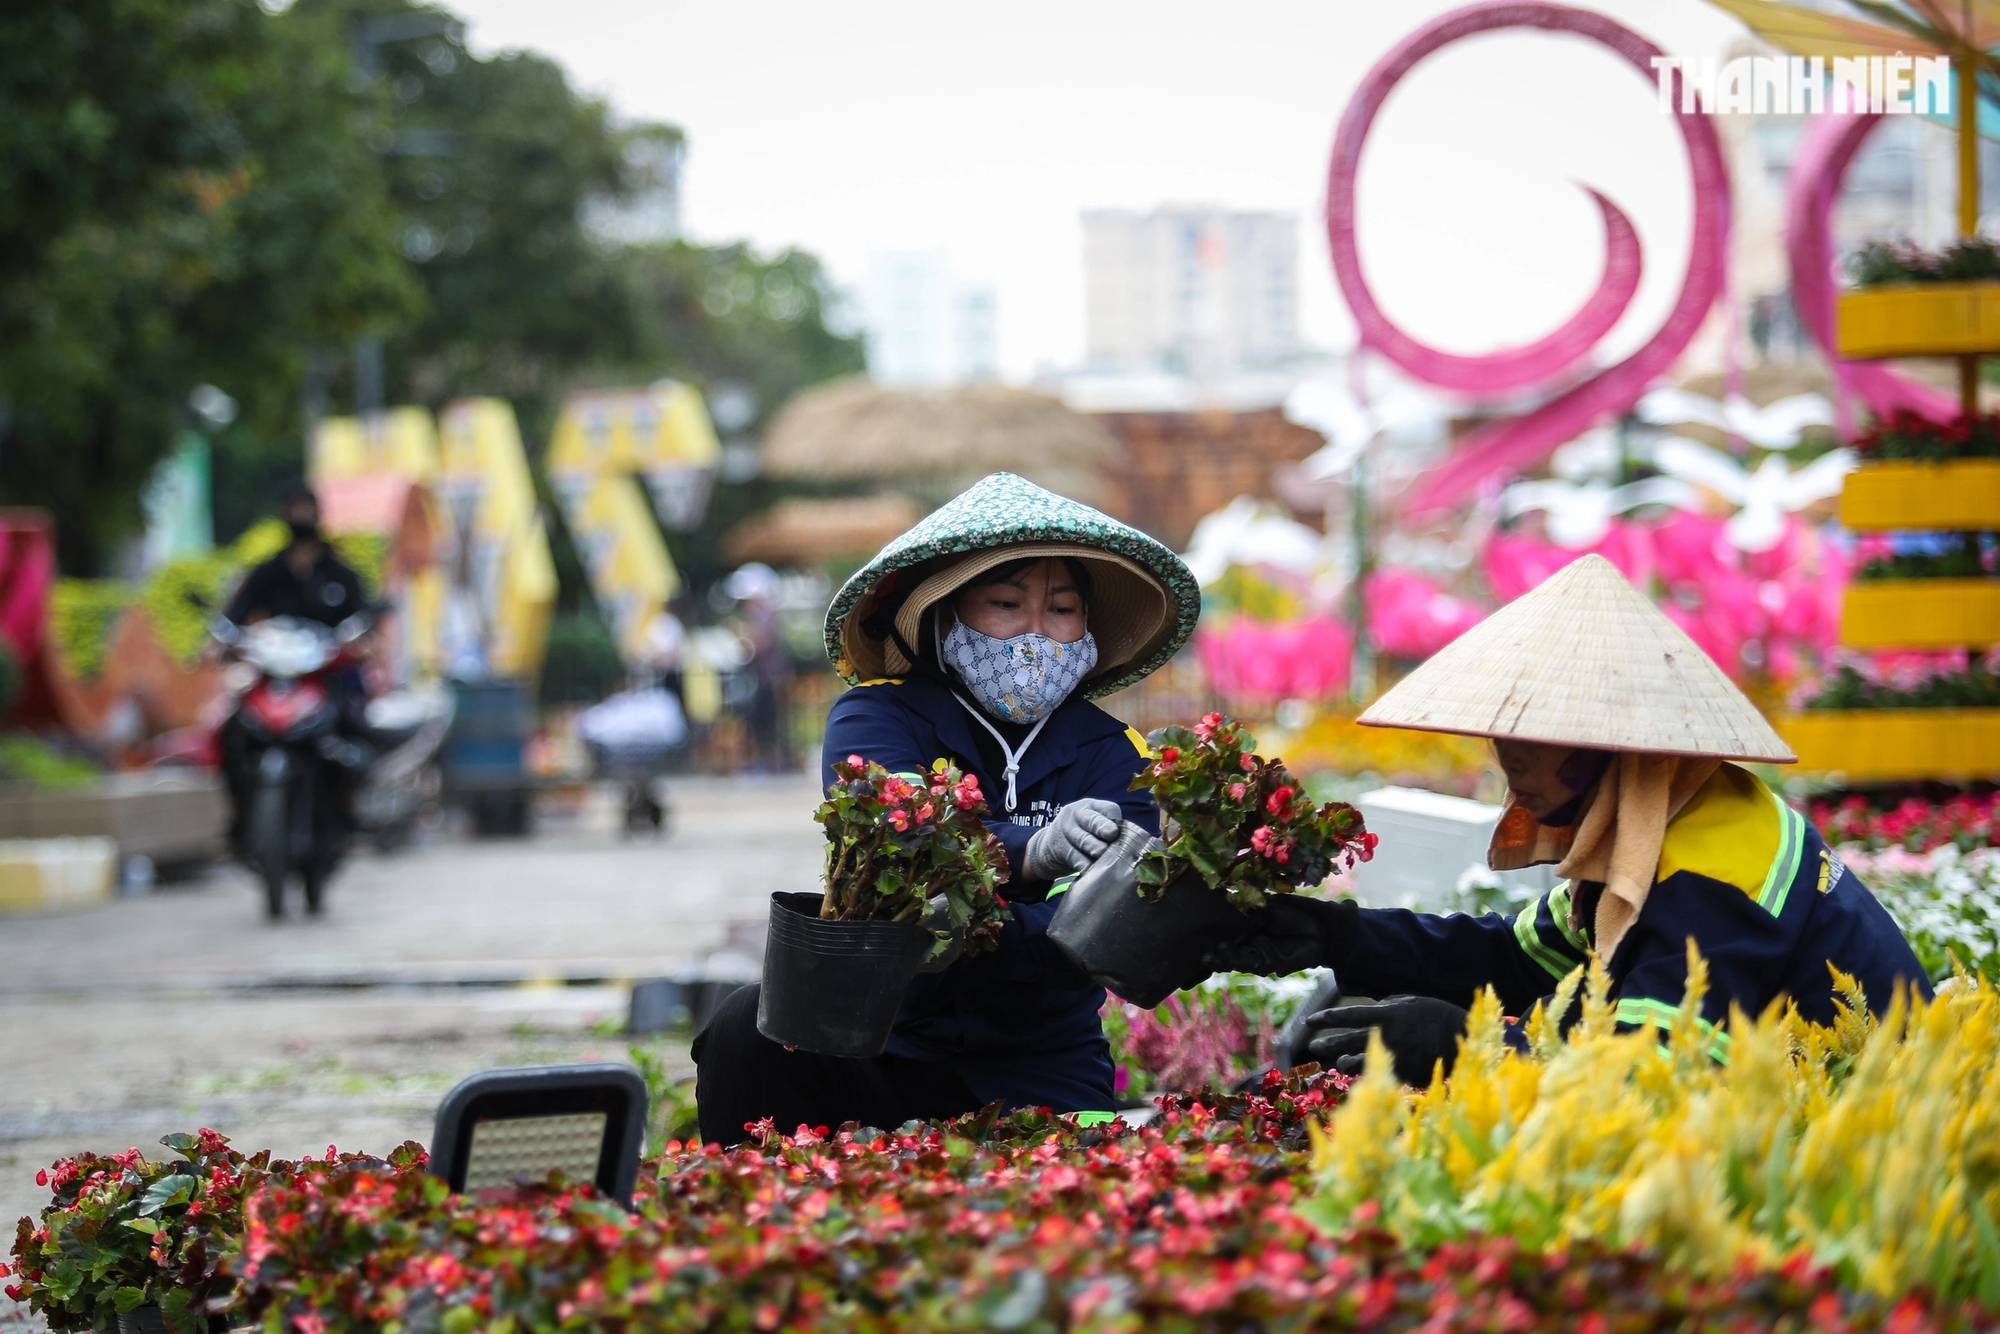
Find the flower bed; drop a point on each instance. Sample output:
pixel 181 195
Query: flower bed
pixel 1946 901
pixel 1866 1149
pixel 1216 1033
pixel 127 1231
pixel 1824 1179
pixel 1964 821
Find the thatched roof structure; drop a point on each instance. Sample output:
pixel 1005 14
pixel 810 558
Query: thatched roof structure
pixel 935 442
pixel 813 532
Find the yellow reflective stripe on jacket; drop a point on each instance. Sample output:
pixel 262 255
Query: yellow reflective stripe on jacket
pixel 1643 1012
pixel 1530 941
pixel 1138 742
pixel 1561 908
pixel 1785 866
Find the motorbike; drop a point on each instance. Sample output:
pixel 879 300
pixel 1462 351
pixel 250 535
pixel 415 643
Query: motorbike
pixel 404 785
pixel 299 764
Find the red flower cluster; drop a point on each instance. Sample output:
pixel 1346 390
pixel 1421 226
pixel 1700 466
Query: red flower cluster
pixel 1913 824
pixel 894 844
pixel 1240 821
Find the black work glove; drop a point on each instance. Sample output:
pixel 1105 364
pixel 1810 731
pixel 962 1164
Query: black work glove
pixel 937 917
pixel 1418 1031
pixel 1290 934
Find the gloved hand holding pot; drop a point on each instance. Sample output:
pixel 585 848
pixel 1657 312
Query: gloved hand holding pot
pixel 1240 833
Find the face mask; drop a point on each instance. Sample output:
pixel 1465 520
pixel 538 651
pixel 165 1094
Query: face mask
pixel 1020 679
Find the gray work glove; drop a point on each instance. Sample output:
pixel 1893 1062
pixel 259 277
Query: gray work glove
pixel 1078 836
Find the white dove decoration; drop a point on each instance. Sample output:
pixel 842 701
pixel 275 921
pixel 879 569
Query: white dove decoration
pixel 1576 516
pixel 1762 497
pixel 1252 532
pixel 1777 426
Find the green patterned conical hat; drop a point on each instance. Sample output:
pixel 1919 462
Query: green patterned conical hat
pixel 1144 602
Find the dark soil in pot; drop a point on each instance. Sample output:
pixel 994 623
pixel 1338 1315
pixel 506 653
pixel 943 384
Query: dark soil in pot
pixel 1142 949
pixel 834 987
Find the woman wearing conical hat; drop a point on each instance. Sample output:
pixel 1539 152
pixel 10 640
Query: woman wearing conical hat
pixel 982 635
pixel 1616 734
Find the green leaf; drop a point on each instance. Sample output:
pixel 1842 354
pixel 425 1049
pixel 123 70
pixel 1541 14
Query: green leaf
pixel 149 1226
pixel 128 1299
pixel 166 1192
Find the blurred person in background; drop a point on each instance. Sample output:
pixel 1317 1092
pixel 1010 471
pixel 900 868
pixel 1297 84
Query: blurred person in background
pixel 755 588
pixel 309 581
pixel 665 657
pixel 981 636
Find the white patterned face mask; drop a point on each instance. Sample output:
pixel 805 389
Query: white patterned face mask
pixel 1020 679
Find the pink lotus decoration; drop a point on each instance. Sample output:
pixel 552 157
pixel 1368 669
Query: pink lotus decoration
pixel 1411 617
pixel 1518 562
pixel 1751 611
pixel 1250 661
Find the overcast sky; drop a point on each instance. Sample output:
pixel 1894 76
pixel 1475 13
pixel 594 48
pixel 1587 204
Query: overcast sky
pixel 982 131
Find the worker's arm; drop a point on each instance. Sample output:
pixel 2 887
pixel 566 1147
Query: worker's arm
pixel 1395 952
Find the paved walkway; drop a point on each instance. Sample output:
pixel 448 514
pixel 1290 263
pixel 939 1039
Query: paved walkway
pixel 184 1007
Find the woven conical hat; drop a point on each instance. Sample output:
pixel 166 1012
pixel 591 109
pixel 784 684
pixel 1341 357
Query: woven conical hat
pixel 1584 660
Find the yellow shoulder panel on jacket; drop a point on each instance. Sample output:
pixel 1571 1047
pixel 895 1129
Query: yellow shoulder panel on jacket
pixel 880 681
pixel 1728 832
pixel 1138 742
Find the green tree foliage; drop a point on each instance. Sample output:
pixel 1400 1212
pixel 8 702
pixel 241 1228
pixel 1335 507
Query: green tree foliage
pixel 494 166
pixel 201 192
pixel 187 196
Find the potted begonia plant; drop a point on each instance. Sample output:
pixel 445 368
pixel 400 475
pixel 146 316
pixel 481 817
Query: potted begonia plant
pixel 1238 828
pixel 912 875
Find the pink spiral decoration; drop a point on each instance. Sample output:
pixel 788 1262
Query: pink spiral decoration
pixel 1523 441
pixel 1830 143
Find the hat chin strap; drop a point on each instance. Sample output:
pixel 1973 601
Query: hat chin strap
pixel 1013 756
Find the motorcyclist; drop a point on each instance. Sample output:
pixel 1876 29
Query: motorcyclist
pixel 309 581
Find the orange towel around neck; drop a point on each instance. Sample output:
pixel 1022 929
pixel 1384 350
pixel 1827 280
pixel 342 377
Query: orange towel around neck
pixel 1616 843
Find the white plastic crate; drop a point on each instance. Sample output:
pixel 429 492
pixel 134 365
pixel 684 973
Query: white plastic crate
pixel 1429 840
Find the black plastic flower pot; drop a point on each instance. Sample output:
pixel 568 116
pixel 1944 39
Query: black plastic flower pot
pixel 833 987
pixel 1139 948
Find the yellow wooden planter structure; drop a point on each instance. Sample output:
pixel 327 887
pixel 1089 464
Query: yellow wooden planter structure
pixel 1921 613
pixel 1961 494
pixel 1956 320
pixel 1886 745
pixel 1919 320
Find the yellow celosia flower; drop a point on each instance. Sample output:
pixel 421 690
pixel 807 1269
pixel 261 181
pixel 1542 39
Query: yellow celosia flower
pixel 1871 1148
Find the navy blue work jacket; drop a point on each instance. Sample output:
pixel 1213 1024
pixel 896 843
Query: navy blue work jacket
pixel 1019 1024
pixel 1771 907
